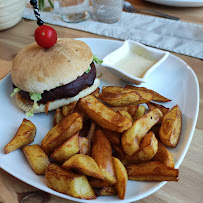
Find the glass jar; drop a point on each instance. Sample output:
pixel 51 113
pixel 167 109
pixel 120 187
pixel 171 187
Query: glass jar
pixel 46 5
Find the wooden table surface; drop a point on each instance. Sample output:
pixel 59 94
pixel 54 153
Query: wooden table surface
pixel 189 188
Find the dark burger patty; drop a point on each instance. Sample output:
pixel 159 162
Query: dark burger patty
pixel 69 90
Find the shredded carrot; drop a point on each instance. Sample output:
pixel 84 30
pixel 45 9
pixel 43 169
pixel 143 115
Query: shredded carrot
pixel 47 107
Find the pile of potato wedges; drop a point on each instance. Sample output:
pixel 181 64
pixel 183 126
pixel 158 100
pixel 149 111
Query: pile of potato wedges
pixel 105 139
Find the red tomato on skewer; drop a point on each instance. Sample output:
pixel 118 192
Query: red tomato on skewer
pixel 45 36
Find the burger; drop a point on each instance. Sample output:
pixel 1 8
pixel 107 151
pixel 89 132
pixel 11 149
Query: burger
pixel 47 79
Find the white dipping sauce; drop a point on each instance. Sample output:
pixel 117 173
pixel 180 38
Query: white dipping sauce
pixel 135 63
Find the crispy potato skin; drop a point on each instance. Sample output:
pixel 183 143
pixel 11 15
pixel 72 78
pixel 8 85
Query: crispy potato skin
pixel 114 137
pixel 91 131
pixel 119 96
pixel 67 109
pixel 97 183
pixel 170 129
pixel 67 182
pixel 122 177
pixel 120 99
pixel 37 159
pixel 152 171
pixel 84 164
pixel 131 138
pixel 140 112
pixel 162 108
pixel 164 156
pixel 156 96
pixel 146 96
pixel 69 126
pixel 102 154
pixel 106 191
pixel 67 149
pixel 125 114
pixel 131 109
pixel 148 149
pixel 84 145
pixel 58 117
pixel 25 135
pixel 102 115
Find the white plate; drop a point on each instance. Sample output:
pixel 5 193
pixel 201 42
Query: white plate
pixel 179 3
pixel 173 79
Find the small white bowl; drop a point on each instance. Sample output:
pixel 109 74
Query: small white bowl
pixel 155 55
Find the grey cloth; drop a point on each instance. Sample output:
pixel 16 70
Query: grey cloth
pixel 175 36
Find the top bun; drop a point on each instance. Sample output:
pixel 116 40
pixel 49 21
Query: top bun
pixel 36 69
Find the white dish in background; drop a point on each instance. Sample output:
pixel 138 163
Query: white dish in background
pixel 125 52
pixel 179 3
pixel 173 79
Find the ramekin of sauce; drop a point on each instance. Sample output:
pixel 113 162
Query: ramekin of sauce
pixel 133 62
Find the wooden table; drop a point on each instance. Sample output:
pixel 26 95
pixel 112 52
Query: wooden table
pixel 189 188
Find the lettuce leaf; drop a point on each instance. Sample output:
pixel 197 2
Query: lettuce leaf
pixel 15 90
pixel 96 60
pixel 88 70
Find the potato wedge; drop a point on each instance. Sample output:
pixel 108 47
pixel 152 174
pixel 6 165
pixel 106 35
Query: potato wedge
pixel 60 133
pixel 152 171
pixel 106 191
pixel 118 96
pixel 125 114
pixel 25 135
pixel 122 178
pixel 145 96
pixel 36 157
pixel 170 129
pixel 97 183
pixel 162 108
pixel 102 154
pixel 96 92
pixel 131 138
pixel 69 108
pixel 81 113
pixel 131 109
pixel 157 97
pixel 84 146
pixel 91 131
pixel 155 129
pixel 120 99
pixel 164 156
pixel 114 137
pixel 73 184
pixel 58 117
pixel 86 127
pixel 83 164
pixel 102 115
pixel 115 90
pixel 148 149
pixel 140 112
pixel 67 149
pixel 118 150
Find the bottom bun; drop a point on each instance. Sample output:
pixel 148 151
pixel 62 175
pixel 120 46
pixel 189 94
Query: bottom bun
pixel 26 105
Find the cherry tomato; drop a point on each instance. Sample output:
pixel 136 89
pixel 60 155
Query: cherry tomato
pixel 45 36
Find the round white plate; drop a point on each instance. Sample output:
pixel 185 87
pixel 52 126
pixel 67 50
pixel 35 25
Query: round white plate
pixel 179 3
pixel 173 79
